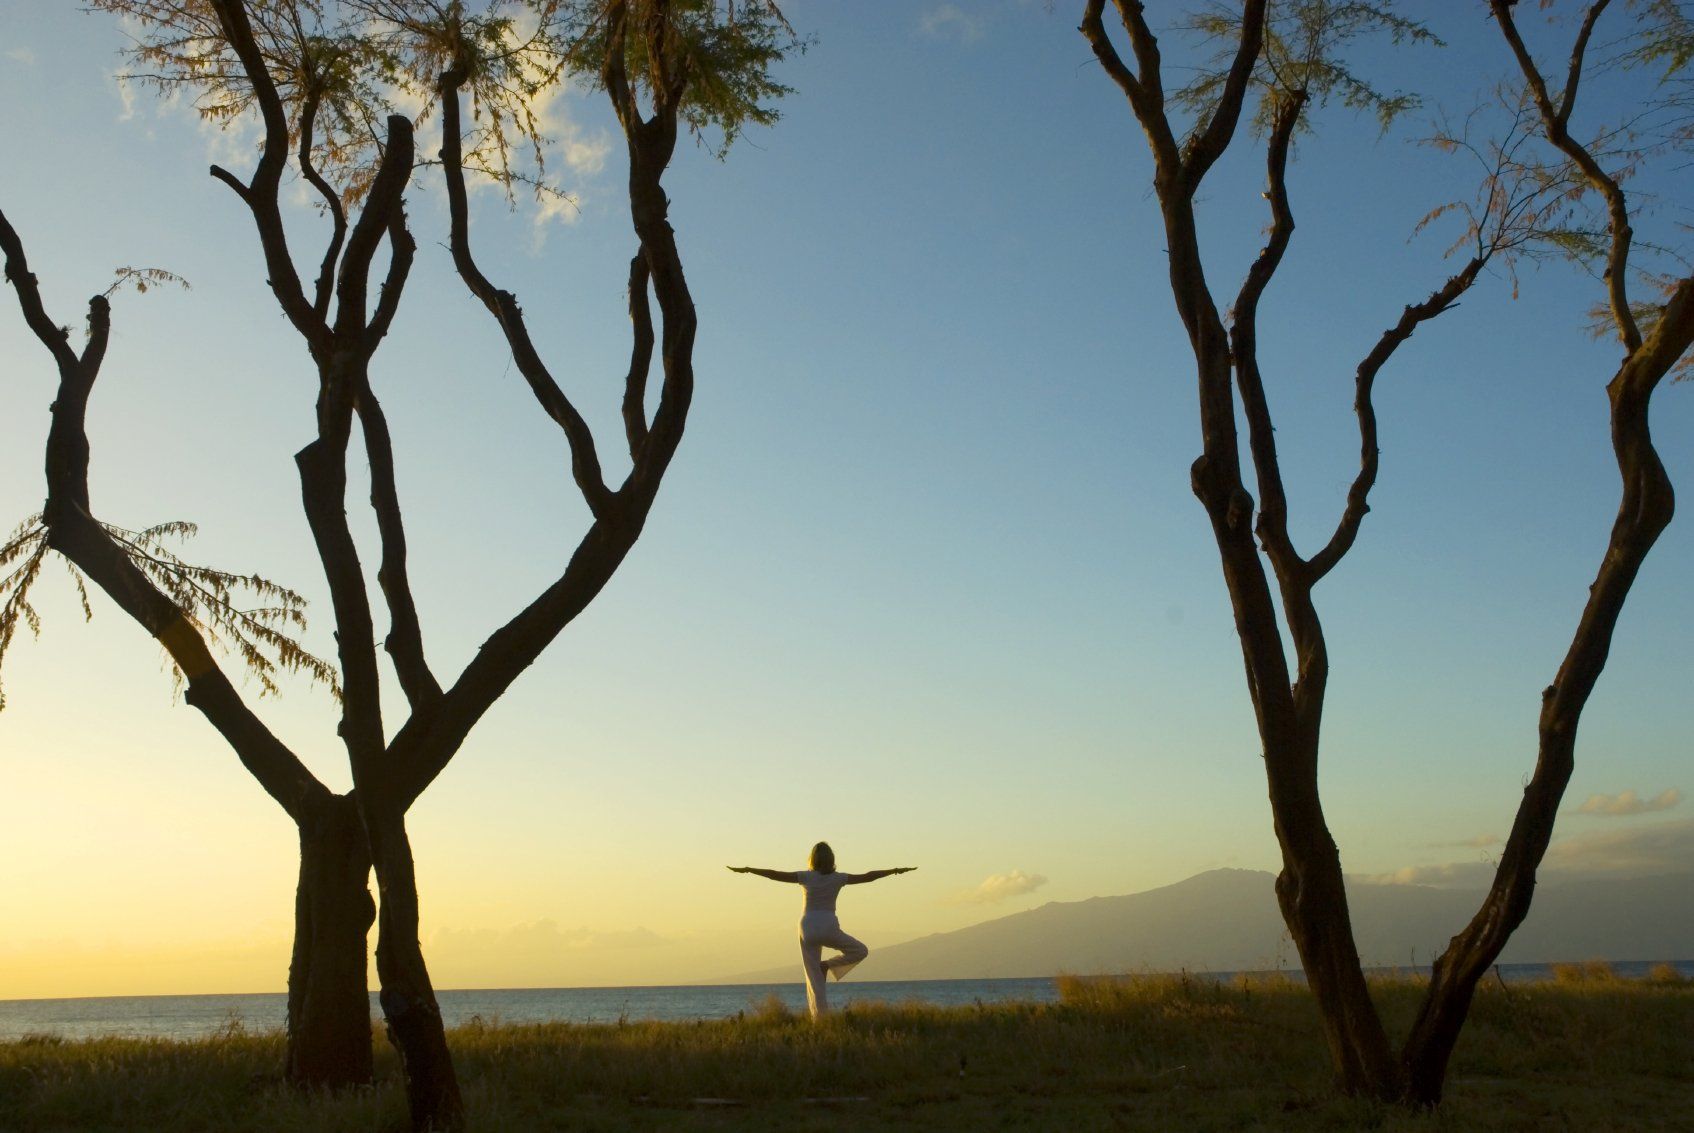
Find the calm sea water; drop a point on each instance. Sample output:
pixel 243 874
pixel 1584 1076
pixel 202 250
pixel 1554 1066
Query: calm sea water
pixel 195 1016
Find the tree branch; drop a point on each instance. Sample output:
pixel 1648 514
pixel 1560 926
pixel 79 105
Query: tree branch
pixel 332 199
pixel 1553 120
pixel 1145 90
pixel 55 338
pixel 405 637
pixel 1358 495
pixel 429 744
pixel 75 533
pixel 640 358
pixel 402 249
pixel 383 203
pixel 1205 147
pixel 1272 526
pixel 261 193
pixel 219 173
pixel 1573 76
pixel 503 305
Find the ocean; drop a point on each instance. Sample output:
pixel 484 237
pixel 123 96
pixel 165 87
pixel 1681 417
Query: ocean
pixel 197 1016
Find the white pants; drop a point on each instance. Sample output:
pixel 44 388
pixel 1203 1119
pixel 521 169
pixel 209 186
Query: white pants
pixel 817 932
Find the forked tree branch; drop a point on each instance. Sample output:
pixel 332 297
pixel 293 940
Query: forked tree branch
pixel 74 532
pixel 1207 145
pixel 261 194
pixel 427 744
pixel 1573 73
pixel 323 463
pixel 1145 90
pixel 382 206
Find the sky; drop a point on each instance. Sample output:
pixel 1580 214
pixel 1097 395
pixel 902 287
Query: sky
pixel 926 578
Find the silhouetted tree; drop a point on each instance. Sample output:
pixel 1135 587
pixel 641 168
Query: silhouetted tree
pixel 1288 56
pixel 1654 337
pixel 192 610
pixel 316 79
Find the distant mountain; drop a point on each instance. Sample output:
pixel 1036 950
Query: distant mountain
pixel 1227 920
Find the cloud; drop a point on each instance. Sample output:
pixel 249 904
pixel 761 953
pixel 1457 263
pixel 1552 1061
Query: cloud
pixel 23 55
pixel 998 888
pixel 1480 842
pixel 949 21
pixel 585 156
pixel 1628 803
pixel 1450 875
pixel 1637 851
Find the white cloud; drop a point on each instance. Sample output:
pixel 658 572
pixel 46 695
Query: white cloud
pixel 1628 803
pixel 126 96
pixel 23 55
pixel 949 21
pixel 585 156
pixel 1000 887
pixel 1480 842
pixel 1449 875
pixel 1636 851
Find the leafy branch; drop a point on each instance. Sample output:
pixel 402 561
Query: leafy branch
pixel 250 616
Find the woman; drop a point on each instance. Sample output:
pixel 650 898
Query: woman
pixel 819 927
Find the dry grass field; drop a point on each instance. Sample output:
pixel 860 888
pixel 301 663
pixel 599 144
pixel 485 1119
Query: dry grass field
pixel 1584 1051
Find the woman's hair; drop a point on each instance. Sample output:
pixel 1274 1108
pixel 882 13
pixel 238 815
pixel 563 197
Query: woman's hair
pixel 823 858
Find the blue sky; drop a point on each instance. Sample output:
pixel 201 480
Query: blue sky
pixel 926 578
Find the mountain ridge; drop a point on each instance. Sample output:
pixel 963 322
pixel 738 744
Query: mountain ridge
pixel 1227 920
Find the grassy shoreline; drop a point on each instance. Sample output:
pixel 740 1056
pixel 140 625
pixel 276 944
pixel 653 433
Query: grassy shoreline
pixel 1583 1051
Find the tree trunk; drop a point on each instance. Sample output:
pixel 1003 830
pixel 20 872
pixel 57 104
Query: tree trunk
pixel 408 999
pixel 329 1008
pixel 1313 899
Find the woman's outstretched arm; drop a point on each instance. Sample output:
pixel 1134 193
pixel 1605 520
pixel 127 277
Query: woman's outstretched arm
pixel 877 874
pixel 773 874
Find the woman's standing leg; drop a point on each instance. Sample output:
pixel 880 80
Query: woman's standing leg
pixel 811 957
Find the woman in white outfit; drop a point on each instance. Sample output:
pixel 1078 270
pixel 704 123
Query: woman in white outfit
pixel 819 928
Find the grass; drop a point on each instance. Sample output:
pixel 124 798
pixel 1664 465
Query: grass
pixel 1584 1051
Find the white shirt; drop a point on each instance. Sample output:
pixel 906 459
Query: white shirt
pixel 821 889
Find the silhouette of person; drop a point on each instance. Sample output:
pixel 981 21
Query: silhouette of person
pixel 819 926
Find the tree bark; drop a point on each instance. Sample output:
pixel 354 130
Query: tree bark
pixel 329 1010
pixel 1312 895
pixel 408 999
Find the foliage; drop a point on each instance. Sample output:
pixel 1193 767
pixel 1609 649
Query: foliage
pixel 323 71
pixel 1659 40
pixel 1303 54
pixel 1523 208
pixel 510 54
pixel 141 279
pixel 341 66
pixel 263 636
pixel 725 50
